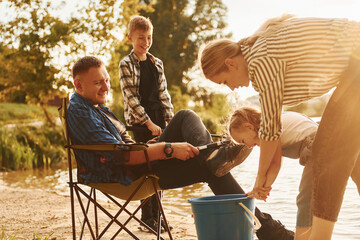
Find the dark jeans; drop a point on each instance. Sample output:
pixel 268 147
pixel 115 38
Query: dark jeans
pixel 143 134
pixel 186 126
pixel 336 148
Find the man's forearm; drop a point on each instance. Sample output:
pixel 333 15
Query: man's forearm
pixel 155 152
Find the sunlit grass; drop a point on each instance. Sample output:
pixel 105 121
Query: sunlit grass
pixel 22 113
pixel 4 236
pixel 13 236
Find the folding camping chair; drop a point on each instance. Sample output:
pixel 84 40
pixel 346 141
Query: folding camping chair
pixel 138 190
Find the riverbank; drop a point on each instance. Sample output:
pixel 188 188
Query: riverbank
pixel 44 212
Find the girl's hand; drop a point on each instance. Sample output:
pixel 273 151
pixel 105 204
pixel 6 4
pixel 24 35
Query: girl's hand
pixel 260 193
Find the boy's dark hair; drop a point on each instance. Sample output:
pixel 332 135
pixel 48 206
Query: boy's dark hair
pixel 139 22
pixel 84 64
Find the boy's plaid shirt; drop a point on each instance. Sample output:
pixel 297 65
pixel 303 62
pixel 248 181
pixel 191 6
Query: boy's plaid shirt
pixel 129 71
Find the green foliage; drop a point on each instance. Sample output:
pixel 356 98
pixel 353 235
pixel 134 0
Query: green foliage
pixel 178 99
pixel 29 147
pixel 214 115
pixel 30 41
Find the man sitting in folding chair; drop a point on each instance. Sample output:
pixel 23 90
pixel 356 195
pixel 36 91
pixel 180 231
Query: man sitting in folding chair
pixel 174 158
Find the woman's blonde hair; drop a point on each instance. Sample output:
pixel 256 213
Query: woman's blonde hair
pixel 213 54
pixel 244 115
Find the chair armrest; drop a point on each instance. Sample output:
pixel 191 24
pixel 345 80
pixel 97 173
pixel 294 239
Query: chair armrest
pixel 109 147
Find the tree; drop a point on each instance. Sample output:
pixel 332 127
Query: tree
pixel 180 27
pixel 30 42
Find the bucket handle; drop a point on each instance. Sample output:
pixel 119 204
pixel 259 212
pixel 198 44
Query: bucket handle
pixel 257 224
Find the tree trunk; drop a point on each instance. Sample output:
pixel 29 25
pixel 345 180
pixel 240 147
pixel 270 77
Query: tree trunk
pixel 49 121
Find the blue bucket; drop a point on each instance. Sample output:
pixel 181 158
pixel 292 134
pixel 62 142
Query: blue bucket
pixel 228 217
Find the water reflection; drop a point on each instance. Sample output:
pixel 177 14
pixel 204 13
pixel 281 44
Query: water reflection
pixel 281 203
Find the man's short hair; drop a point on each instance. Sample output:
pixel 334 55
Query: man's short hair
pixel 84 64
pixel 139 22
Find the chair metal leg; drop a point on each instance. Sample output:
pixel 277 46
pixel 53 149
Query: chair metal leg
pixel 91 197
pixel 125 204
pixel 84 221
pixel 72 210
pixel 77 189
pixel 159 217
pixel 132 216
pixel 107 213
pixel 96 217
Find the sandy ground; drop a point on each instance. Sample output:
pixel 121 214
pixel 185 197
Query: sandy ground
pixel 26 212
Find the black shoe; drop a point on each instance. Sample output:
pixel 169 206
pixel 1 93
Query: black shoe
pixel 227 158
pixel 153 224
pixel 273 230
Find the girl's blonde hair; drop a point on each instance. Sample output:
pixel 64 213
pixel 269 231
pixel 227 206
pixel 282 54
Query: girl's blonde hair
pixel 244 115
pixel 212 56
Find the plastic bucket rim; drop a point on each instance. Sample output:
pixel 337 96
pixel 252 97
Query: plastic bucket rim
pixel 229 198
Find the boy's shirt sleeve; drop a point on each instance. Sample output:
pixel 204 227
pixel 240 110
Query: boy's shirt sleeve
pixel 164 95
pixel 130 93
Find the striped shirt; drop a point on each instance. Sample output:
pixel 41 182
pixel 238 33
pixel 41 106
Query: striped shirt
pixel 301 60
pixel 129 71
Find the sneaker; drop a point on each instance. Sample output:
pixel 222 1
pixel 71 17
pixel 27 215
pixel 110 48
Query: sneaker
pixel 152 223
pixel 227 158
pixel 273 230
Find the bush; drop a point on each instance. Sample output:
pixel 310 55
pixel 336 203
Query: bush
pixel 29 147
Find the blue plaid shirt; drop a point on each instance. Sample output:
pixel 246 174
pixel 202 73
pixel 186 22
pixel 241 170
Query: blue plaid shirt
pixel 90 125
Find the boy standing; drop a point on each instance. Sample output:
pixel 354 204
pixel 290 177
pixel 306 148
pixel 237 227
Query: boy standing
pixel 147 103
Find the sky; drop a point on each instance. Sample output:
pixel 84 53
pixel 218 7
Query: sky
pixel 246 16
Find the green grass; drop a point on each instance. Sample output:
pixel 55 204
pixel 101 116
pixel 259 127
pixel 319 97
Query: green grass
pixel 4 236
pixel 12 236
pixel 23 113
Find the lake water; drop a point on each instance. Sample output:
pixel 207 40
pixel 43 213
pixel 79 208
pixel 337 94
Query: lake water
pixel 281 203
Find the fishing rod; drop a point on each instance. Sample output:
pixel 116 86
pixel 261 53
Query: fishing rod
pixel 214 145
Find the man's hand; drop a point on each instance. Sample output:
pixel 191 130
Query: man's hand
pixel 184 151
pixel 155 129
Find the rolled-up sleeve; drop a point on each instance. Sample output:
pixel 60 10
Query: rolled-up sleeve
pixel 269 76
